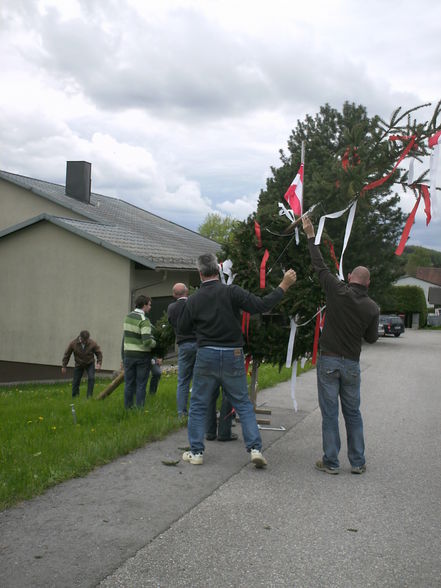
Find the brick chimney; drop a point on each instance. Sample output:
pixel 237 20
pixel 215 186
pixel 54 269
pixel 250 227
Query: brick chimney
pixel 78 180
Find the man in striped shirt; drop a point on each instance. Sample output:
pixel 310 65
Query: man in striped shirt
pixel 137 344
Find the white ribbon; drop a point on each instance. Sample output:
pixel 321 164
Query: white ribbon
pixel 293 386
pixel 284 211
pixel 290 348
pixel 227 268
pixel 349 224
pixel 322 220
pixel 434 157
pixel 346 239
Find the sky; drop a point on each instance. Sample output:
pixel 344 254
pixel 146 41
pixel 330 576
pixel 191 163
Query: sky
pixel 182 106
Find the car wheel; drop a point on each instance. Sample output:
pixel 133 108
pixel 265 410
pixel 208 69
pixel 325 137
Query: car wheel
pixel 397 334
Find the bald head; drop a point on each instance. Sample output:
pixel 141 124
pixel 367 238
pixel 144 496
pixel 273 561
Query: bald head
pixel 180 290
pixel 360 275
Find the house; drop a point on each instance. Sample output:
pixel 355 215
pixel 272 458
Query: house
pixel 71 259
pixel 427 278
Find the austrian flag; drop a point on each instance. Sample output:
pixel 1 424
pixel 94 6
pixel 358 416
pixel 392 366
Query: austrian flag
pixel 294 194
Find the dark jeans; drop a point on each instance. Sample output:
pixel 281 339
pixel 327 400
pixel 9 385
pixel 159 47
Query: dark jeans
pixel 78 374
pixel 186 359
pixel 136 374
pixel 223 429
pixel 155 377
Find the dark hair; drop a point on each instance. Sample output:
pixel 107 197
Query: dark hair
pixel 142 301
pixel 207 265
pixel 84 335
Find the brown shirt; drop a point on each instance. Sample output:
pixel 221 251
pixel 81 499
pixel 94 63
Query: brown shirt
pixel 83 354
pixel 350 314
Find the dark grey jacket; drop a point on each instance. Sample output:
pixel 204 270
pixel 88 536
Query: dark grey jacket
pixel 350 314
pixel 214 312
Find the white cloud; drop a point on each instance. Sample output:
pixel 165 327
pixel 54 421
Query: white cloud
pixel 183 105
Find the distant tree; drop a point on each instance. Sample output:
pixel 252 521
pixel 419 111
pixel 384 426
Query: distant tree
pixel 415 256
pixel 217 227
pixel 420 257
pixel 330 137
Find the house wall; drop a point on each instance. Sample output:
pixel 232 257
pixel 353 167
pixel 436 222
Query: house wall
pixel 411 281
pixel 54 284
pixel 18 205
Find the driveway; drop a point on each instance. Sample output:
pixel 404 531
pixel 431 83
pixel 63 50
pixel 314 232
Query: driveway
pixel 138 523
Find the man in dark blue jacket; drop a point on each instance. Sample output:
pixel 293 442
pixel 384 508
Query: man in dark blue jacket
pixel 214 314
pixel 350 317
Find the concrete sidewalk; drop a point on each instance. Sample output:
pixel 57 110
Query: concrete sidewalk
pixel 139 523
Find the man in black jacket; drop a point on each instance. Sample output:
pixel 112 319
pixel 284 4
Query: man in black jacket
pixel 186 348
pixel 213 312
pixel 350 317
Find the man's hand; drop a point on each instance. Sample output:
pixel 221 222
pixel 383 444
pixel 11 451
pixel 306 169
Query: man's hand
pixel 98 366
pixel 307 227
pixel 289 279
pixel 63 371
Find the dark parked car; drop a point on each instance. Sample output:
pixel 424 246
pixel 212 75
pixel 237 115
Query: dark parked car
pixel 393 325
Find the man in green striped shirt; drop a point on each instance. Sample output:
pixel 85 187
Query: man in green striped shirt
pixel 137 344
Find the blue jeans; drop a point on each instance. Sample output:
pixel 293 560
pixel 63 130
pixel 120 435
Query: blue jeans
pixel 155 377
pixel 136 374
pixel 186 358
pixel 337 376
pixel 78 374
pixel 226 368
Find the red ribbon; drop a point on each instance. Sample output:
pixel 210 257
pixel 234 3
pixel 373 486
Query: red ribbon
pixel 246 323
pixel 345 160
pixel 424 190
pixel 248 358
pixel 263 269
pixel 433 140
pixel 258 234
pixel 404 153
pixel 399 250
pixel 333 256
pixel 316 339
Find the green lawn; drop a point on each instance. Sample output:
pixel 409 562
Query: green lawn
pixel 40 445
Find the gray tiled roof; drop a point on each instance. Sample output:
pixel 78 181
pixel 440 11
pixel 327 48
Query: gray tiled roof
pixel 133 230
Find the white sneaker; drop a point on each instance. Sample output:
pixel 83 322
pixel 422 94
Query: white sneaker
pixel 194 458
pixel 257 458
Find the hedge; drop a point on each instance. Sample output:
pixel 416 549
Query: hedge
pixel 406 300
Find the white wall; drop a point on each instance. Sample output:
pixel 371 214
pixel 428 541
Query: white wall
pixel 54 284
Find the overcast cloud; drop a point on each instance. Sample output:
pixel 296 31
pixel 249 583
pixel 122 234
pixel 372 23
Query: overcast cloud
pixel 182 106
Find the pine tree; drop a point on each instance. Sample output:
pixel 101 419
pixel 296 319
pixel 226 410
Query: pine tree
pixel 344 151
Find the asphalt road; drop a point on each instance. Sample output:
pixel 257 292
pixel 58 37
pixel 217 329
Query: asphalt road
pixel 138 523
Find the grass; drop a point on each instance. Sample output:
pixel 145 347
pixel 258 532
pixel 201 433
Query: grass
pixel 41 445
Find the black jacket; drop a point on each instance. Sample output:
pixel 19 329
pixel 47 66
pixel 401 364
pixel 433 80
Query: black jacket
pixel 350 314
pixel 214 313
pixel 174 311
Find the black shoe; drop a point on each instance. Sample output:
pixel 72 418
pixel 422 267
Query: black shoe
pixel 210 437
pixel 233 437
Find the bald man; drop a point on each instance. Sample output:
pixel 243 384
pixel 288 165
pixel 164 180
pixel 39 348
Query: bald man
pixel 186 348
pixel 351 316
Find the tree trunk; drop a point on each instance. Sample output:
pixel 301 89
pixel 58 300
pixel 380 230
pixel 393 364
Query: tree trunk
pixel 112 386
